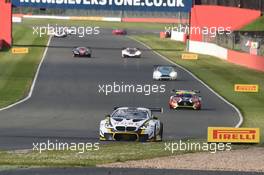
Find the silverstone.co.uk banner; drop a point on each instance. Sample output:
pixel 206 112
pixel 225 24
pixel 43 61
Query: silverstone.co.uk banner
pixel 129 5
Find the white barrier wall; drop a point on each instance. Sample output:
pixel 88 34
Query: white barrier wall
pixel 45 17
pixel 112 19
pixel 177 36
pixel 16 19
pixel 208 49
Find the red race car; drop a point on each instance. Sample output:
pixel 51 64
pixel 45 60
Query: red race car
pixel 185 99
pixel 119 32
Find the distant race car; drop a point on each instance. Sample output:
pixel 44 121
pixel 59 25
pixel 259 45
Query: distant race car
pixel 185 99
pixel 131 53
pixel 70 31
pixel 119 32
pixel 164 73
pixel 82 52
pixel 60 33
pixel 132 124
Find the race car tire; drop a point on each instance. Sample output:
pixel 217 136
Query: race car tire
pixel 161 131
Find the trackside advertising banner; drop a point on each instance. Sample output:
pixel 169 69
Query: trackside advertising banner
pixel 128 5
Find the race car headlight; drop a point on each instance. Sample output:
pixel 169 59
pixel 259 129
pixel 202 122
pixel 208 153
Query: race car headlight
pixel 108 125
pixel 138 53
pixel 157 74
pixel 173 74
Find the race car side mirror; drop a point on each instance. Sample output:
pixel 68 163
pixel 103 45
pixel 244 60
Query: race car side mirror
pixel 107 116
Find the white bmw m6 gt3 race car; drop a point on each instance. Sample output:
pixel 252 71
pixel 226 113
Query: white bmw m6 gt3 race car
pixel 131 53
pixel 132 124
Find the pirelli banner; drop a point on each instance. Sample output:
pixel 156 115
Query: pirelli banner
pixel 128 5
pixel 233 135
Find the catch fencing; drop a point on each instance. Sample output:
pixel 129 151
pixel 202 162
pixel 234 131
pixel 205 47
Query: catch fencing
pixel 250 42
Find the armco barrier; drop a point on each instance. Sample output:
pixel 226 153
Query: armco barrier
pixel 218 16
pixel 247 60
pixel 155 20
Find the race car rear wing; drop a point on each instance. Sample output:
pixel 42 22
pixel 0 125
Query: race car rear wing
pixel 151 109
pixel 195 91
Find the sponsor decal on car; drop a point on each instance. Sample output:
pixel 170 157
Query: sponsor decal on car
pixel 246 88
pixel 233 135
pixel 189 56
pixel 20 50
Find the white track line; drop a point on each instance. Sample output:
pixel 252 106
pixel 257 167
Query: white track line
pixel 33 83
pixel 195 77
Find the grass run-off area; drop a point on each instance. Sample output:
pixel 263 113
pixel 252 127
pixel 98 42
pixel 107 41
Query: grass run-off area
pixel 220 76
pixel 107 153
pixel 17 70
pixel 257 25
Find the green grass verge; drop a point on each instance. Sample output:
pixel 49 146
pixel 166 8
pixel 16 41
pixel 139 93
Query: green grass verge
pixel 257 25
pixel 17 71
pixel 108 153
pixel 220 76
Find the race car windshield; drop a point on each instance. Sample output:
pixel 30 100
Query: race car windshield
pixel 184 95
pixel 132 50
pixel 165 69
pixel 82 48
pixel 130 114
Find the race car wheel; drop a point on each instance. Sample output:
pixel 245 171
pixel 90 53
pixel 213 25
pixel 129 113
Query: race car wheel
pixel 161 131
pixel 160 134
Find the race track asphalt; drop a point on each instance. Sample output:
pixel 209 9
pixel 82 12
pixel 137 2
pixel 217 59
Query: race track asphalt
pixel 66 103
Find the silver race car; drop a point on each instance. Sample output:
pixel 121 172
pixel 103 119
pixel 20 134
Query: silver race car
pixel 132 124
pixel 164 73
pixel 131 53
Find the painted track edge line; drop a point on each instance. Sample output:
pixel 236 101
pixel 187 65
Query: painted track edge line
pixel 33 83
pixel 241 118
